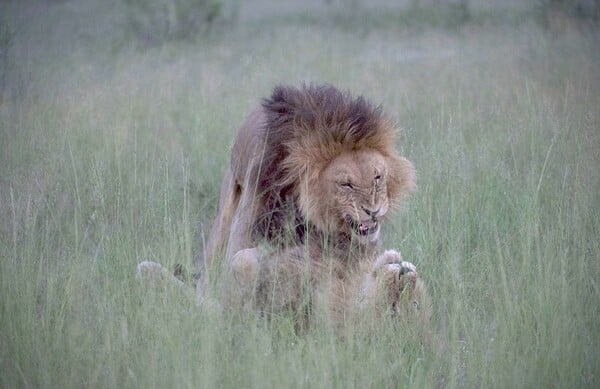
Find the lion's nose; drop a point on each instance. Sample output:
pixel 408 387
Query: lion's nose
pixel 371 212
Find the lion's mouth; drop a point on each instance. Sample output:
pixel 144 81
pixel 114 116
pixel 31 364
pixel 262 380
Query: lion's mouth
pixel 363 228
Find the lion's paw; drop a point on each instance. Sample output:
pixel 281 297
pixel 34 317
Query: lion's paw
pixel 154 273
pixel 244 266
pixel 397 282
pixel 396 275
pixel 391 261
pixel 401 268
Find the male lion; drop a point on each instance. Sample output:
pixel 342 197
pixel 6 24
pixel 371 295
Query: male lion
pixel 312 175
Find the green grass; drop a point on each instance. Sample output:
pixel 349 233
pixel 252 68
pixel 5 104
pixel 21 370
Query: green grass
pixel 110 154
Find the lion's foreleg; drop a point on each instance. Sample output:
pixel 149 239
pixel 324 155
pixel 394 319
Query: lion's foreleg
pixel 240 234
pixel 219 234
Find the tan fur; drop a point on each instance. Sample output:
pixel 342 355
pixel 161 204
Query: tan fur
pixel 313 172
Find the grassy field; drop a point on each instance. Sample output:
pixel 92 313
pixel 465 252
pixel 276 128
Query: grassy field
pixel 111 152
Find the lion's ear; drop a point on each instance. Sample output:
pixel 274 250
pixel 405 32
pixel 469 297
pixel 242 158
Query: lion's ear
pixel 401 177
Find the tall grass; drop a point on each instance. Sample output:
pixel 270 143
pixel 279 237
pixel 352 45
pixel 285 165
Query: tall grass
pixel 107 161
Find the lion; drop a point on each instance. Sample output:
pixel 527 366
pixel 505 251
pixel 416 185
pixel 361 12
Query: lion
pixel 312 176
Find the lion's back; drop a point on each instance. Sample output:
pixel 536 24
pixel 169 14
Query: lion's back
pixel 247 150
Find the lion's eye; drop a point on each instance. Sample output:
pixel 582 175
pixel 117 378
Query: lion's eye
pixel 378 177
pixel 347 185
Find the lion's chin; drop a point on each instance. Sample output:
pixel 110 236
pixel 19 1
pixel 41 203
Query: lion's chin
pixel 366 231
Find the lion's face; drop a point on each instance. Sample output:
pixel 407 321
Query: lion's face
pixel 352 195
